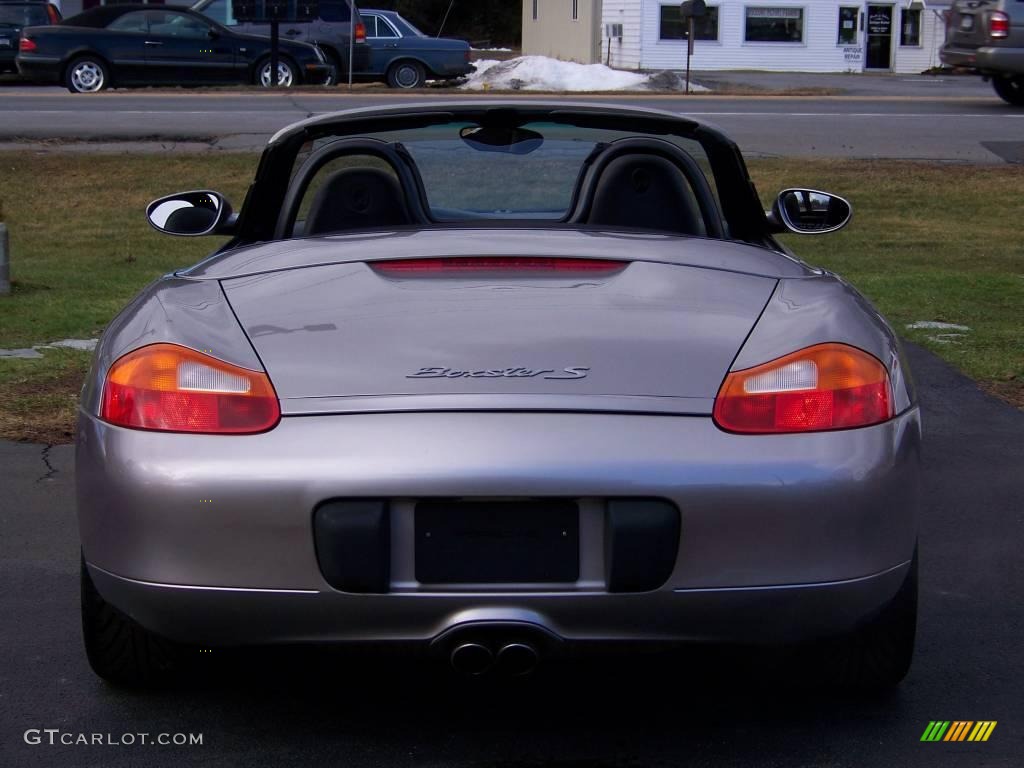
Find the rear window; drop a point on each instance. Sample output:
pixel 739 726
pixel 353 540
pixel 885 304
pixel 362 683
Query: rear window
pixel 221 12
pixel 23 15
pixel 464 183
pixel 405 27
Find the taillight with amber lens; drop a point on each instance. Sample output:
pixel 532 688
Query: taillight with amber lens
pixel 170 388
pixel 827 386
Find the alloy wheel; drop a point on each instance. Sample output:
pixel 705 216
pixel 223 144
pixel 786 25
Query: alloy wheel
pixel 285 75
pixel 87 77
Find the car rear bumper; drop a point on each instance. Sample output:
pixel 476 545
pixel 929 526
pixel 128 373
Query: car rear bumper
pixel 455 69
pixel 43 69
pixel 986 60
pixel 752 616
pixel 210 538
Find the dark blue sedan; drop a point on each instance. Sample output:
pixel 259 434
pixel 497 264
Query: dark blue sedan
pixel 404 57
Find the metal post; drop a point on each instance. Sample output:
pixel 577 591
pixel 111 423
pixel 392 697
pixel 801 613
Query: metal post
pixel 689 50
pixel 274 45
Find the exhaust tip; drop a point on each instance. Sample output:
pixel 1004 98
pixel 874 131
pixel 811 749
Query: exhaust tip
pixel 472 658
pixel 517 659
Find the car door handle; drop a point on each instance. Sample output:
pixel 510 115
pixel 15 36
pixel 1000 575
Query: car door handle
pixel 293 32
pixel 153 42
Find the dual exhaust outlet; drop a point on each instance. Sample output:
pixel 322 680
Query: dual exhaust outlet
pixel 511 659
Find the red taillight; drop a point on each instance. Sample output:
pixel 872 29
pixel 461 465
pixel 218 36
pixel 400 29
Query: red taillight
pixel 174 389
pixel 827 386
pixel 27 45
pixel 52 13
pixel 998 24
pixel 491 264
pixel 360 32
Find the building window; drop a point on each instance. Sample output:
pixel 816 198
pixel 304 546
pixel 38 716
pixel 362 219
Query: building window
pixel 675 27
pixel 534 10
pixel 910 27
pixel 575 10
pixel 771 24
pixel 847 26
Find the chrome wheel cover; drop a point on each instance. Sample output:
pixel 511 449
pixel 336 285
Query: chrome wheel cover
pixel 407 76
pixel 285 76
pixel 87 77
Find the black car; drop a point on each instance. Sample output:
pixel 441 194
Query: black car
pixel 122 45
pixel 330 31
pixel 14 16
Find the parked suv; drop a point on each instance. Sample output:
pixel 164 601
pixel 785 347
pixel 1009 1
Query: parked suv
pixel 987 36
pixel 15 16
pixel 330 31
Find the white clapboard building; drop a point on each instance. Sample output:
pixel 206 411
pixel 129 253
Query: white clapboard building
pixel 775 35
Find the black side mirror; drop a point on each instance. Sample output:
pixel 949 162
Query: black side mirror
pixel 809 212
pixel 192 214
pixel 213 34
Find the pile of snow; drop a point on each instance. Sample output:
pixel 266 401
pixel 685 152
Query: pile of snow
pixel 954 332
pixel 33 353
pixel 935 325
pixel 540 73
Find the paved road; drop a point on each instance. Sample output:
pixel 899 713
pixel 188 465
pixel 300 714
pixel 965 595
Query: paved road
pixel 978 128
pixel 849 84
pixel 969 664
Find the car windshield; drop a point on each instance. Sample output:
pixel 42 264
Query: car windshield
pixel 22 15
pixel 471 173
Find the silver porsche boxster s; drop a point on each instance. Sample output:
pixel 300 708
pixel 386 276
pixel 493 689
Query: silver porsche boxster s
pixel 502 381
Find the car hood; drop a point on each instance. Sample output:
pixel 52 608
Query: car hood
pixel 650 336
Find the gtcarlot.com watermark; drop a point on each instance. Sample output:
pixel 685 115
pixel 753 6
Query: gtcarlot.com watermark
pixel 55 737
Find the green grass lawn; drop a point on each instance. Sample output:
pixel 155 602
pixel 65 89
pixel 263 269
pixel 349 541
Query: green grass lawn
pixel 928 242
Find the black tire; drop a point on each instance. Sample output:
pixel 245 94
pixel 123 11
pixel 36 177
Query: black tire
pixel 87 74
pixel 406 74
pixel 118 649
pixel 288 73
pixel 1010 89
pixel 877 656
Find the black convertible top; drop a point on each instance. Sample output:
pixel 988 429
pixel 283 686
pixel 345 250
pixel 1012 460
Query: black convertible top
pixel 101 16
pixel 740 205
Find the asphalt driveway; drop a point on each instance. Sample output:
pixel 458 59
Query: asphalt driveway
pixel 305 709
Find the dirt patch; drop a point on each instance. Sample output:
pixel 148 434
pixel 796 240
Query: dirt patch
pixel 1012 390
pixel 42 411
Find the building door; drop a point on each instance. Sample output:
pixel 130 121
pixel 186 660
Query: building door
pixel 879 37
